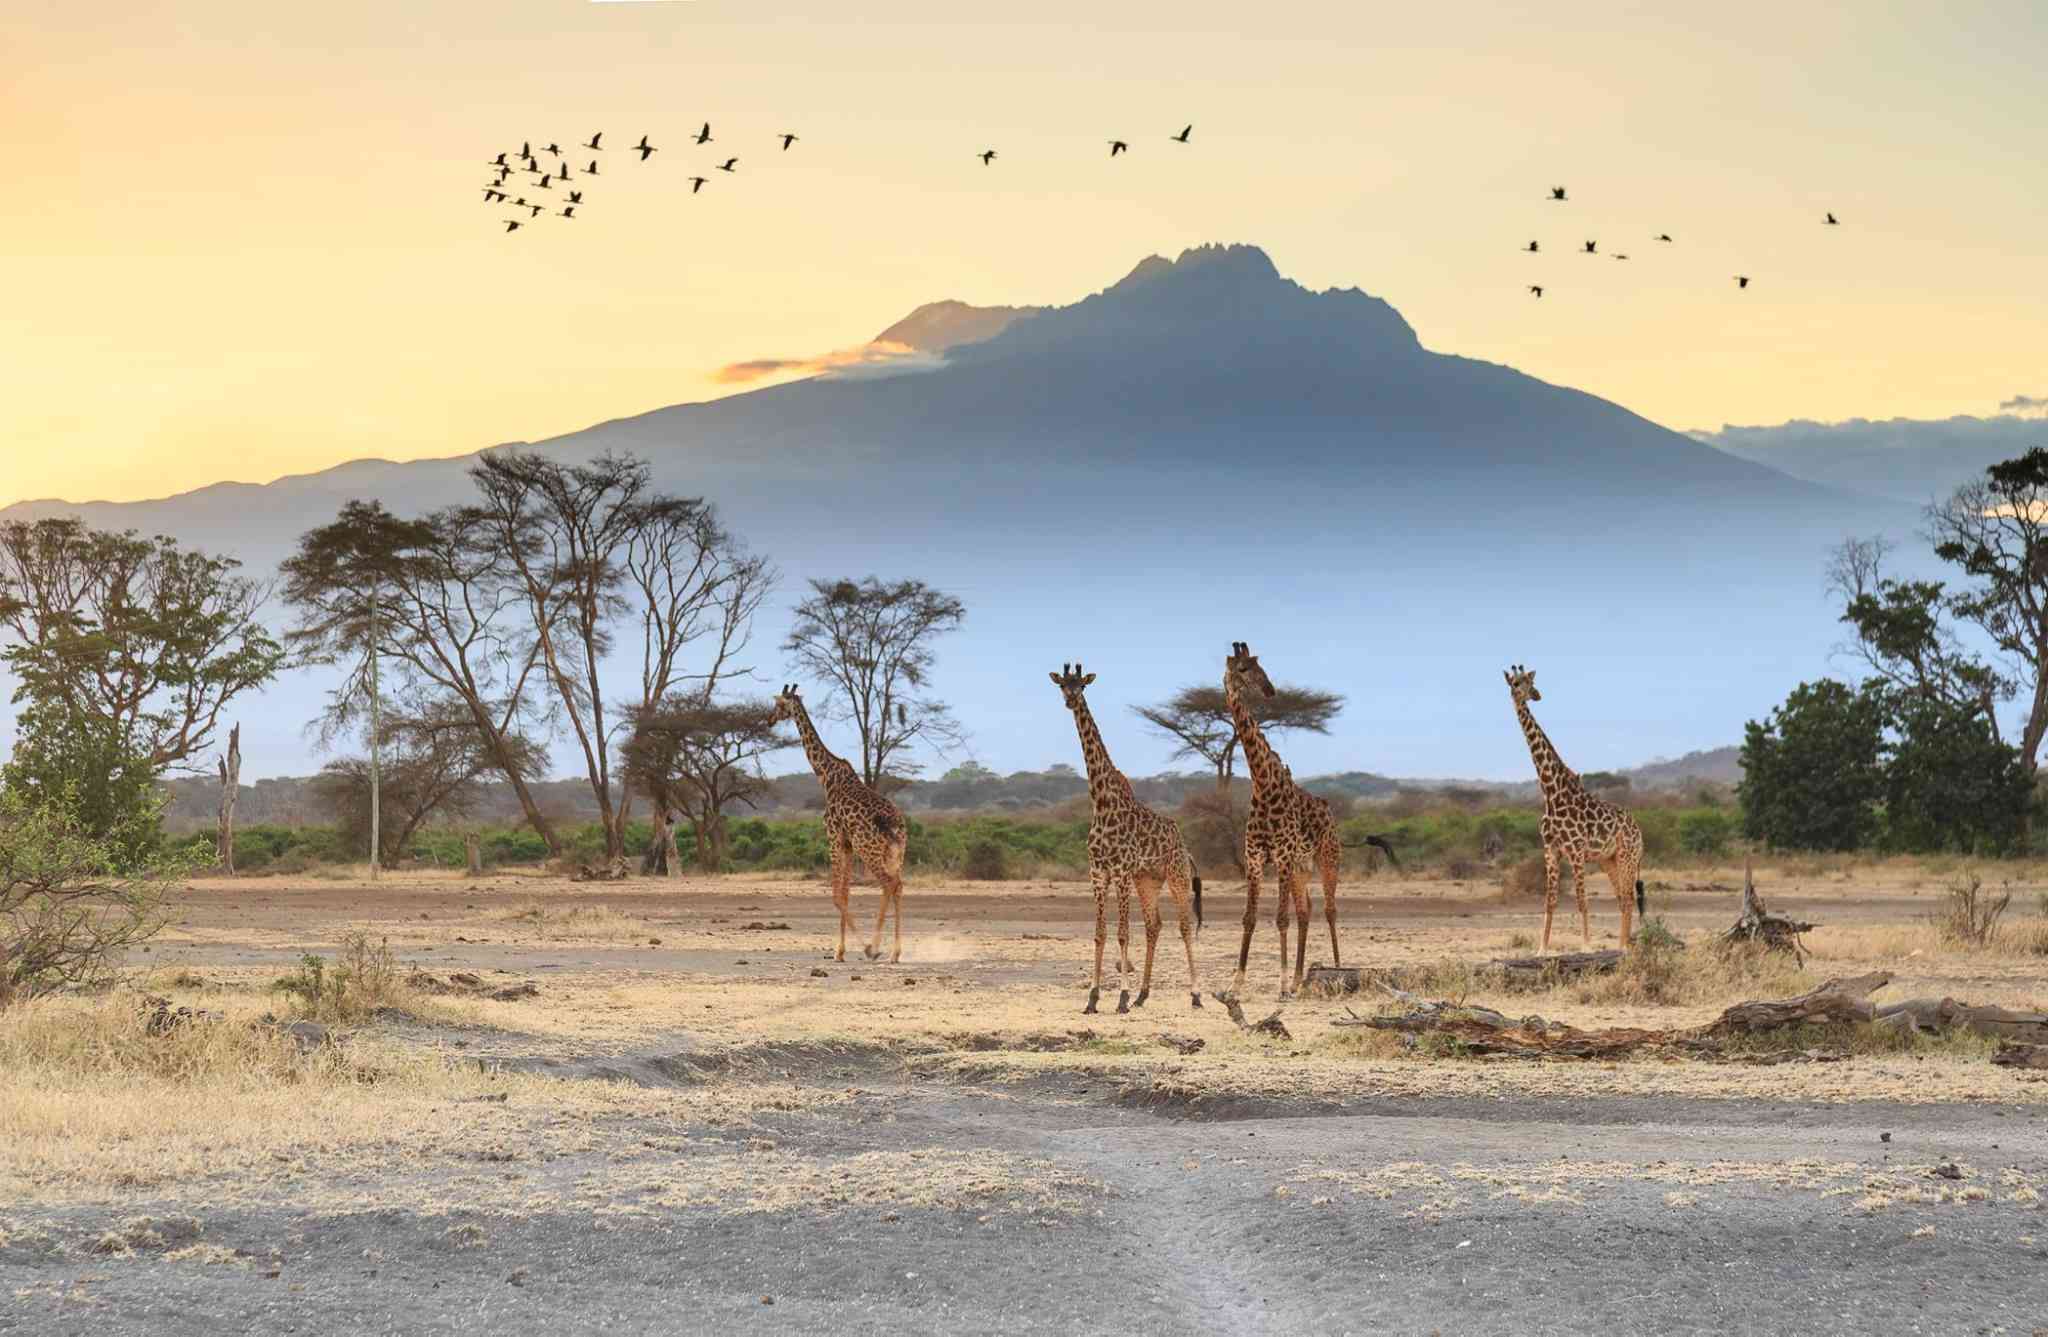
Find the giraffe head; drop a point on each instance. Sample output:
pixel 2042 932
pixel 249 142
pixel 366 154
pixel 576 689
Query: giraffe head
pixel 1072 683
pixel 1522 685
pixel 786 705
pixel 1242 672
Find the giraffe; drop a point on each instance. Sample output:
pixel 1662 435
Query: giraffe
pixel 1129 846
pixel 858 821
pixel 1287 826
pixel 1577 827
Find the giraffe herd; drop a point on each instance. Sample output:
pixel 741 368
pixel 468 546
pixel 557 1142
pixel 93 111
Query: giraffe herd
pixel 1133 850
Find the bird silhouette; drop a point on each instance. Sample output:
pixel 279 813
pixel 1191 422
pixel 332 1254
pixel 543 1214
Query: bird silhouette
pixel 1592 248
pixel 728 164
pixel 526 148
pixel 1182 137
pixel 513 225
pixel 697 183
pixel 537 208
pixel 1557 192
pixel 1834 221
pixel 569 212
pixel 592 142
pixel 644 147
pixel 1532 248
pixel 1536 288
pixel 987 156
pixel 1117 146
pixel 519 203
pixel 492 193
pixel 1742 280
pixel 1620 256
pixel 546 181
pixel 498 161
pixel 704 135
pixel 553 149
pixel 592 169
pixel 1663 236
pixel 787 140
pixel 575 197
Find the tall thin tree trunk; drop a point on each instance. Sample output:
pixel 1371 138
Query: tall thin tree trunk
pixel 230 785
pixel 376 756
pixel 668 845
pixel 472 852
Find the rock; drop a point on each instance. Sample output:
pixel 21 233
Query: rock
pixel 757 926
pixel 1274 1027
pixel 1948 1170
pixel 1182 1044
pixel 820 973
pixel 513 992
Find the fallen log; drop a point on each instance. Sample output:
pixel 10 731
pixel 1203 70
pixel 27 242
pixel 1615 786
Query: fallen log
pixel 2021 1056
pixel 1564 966
pixel 1836 1000
pixel 1943 1014
pixel 1332 981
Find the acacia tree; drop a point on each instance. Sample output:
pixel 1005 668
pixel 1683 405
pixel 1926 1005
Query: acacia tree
pixel 700 758
pixel 576 544
pixel 872 644
pixel 436 760
pixel 139 640
pixel 1811 774
pixel 1197 719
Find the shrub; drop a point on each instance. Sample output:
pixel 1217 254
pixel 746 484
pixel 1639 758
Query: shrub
pixel 985 862
pixel 363 980
pixel 1968 916
pixel 1523 879
pixel 1706 831
pixel 72 899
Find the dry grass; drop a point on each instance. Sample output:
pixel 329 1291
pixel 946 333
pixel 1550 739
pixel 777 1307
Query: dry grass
pixel 574 922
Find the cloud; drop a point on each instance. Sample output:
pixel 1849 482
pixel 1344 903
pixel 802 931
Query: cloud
pixel 2025 405
pixel 866 362
pixel 1908 459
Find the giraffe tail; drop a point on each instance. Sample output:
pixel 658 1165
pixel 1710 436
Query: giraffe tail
pixel 1196 878
pixel 1380 843
pixel 1640 911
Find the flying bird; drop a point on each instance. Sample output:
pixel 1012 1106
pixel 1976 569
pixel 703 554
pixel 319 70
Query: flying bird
pixel 536 209
pixel 1592 248
pixel 498 161
pixel 545 181
pixel 1663 236
pixel 512 225
pixel 704 135
pixel 519 203
pixel 728 164
pixel 592 169
pixel 492 193
pixel 1742 280
pixel 1532 248
pixel 987 156
pixel 1557 192
pixel 697 183
pixel 1182 137
pixel 644 147
pixel 575 197
pixel 1117 146
pixel 1536 288
pixel 526 148
pixel 555 149
pixel 569 212
pixel 1620 256
pixel 787 140
pixel 592 142
pixel 1834 221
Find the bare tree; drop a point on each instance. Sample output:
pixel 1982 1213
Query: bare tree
pixel 577 543
pixel 1901 637
pixel 871 642
pixel 700 759
pixel 230 764
pixel 1197 719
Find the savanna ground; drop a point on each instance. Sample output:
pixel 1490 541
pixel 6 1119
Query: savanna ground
pixel 702 1123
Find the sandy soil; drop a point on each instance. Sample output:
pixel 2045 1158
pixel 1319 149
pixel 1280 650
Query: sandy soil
pixel 699 1125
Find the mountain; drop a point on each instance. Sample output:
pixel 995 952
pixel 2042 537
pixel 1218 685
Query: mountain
pixel 1205 452
pixel 1905 459
pixel 937 327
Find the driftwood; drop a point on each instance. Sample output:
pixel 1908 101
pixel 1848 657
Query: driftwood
pixel 1942 1014
pixel 1756 925
pixel 617 870
pixel 1482 1032
pixel 1836 1000
pixel 2021 1056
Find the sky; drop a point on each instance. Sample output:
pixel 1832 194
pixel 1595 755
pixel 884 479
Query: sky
pixel 248 239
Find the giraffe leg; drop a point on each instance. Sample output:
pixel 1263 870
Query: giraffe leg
pixel 1177 883
pixel 1328 867
pixel 894 884
pixel 1622 871
pixel 1254 864
pixel 1148 905
pixel 1579 891
pixel 1300 928
pixel 842 875
pixel 1101 911
pixel 874 947
pixel 1123 945
pixel 1283 916
pixel 1550 871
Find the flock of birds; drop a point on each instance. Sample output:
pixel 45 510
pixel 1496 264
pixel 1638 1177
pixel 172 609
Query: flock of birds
pixel 552 167
pixel 1559 196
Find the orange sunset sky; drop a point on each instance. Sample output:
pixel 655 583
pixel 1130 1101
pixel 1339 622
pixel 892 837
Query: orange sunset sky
pixel 245 240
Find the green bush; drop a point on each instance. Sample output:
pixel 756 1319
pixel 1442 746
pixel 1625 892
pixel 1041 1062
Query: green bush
pixel 1705 831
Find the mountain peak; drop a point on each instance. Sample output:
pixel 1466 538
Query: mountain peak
pixel 938 326
pixel 1211 261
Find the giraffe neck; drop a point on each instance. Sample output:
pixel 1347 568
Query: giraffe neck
pixel 1265 767
pixel 1551 773
pixel 827 766
pixel 1106 784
